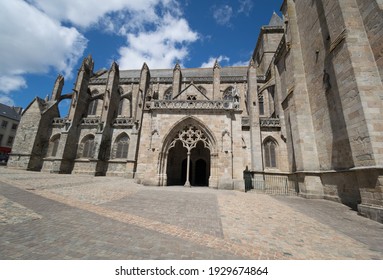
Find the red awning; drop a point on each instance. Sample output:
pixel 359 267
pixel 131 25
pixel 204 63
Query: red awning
pixel 5 150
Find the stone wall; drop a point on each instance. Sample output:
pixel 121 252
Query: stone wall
pixel 335 44
pixel 227 157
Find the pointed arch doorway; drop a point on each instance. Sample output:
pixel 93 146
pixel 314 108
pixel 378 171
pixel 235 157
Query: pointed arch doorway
pixel 188 160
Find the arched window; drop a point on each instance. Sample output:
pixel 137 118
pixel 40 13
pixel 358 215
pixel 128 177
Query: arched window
pixel 261 104
pixel 121 146
pixel 92 108
pixel 168 95
pixel 120 107
pixel 125 107
pixel 53 145
pixel 87 147
pixel 228 94
pixel 269 147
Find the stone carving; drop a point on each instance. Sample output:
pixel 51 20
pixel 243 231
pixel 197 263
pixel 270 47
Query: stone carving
pixel 193 104
pixel 190 136
pixel 123 122
pixel 226 141
pixel 155 135
pixel 90 121
pixel 270 122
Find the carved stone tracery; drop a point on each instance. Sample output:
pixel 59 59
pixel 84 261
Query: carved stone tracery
pixel 189 138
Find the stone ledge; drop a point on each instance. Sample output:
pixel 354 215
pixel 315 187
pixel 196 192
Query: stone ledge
pixel 372 212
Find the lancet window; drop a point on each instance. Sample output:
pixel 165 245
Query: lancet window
pixel 270 153
pixel 121 146
pixel 229 93
pixel 53 145
pixel 168 95
pixel 87 147
pixel 92 108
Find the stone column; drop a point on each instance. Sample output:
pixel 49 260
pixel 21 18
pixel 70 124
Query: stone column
pixel 187 183
pixel 303 134
pixel 216 81
pixel 177 79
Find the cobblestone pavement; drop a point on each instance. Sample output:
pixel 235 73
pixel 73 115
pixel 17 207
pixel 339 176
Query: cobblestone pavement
pixel 50 216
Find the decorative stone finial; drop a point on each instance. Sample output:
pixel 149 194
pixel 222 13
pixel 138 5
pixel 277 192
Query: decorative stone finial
pixel 114 66
pixel 145 67
pixel 216 65
pixel 177 67
pixel 87 64
pixel 252 63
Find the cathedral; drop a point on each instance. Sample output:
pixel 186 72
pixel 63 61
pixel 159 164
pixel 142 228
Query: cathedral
pixel 304 117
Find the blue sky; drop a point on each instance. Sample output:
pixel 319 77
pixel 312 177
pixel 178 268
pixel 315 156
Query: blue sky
pixel 40 39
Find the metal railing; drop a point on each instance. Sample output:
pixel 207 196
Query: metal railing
pixel 275 184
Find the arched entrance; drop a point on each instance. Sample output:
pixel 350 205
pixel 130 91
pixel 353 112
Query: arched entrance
pixel 188 160
pixel 200 165
pixel 176 165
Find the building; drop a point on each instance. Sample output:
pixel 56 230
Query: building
pixel 304 116
pixel 9 121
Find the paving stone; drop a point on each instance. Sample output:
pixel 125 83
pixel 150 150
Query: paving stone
pixel 123 220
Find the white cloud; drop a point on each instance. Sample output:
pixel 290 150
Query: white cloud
pixel 245 6
pixel 159 48
pixel 10 83
pixel 223 14
pixel 223 61
pixel 38 36
pixel 4 99
pixel 211 61
pixel 87 12
pixel 31 42
pixel 241 63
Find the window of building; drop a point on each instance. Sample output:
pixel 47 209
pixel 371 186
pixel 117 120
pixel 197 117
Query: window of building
pixel 261 105
pixel 120 106
pixel 4 124
pixel 88 146
pixel 270 154
pixel 168 94
pixel 1 138
pixel 92 109
pixel 228 94
pixel 14 126
pixel 53 146
pixel 10 141
pixel 122 146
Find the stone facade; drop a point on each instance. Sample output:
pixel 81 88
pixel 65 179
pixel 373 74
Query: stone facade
pixel 306 112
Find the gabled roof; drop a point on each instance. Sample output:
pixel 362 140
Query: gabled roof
pixel 189 88
pixel 9 112
pixel 275 20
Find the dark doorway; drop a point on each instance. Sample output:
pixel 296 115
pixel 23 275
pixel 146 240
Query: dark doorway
pixel 200 173
pixel 200 157
pixel 176 165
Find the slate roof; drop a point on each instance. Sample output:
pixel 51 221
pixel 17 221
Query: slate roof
pixel 9 112
pixel 235 71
